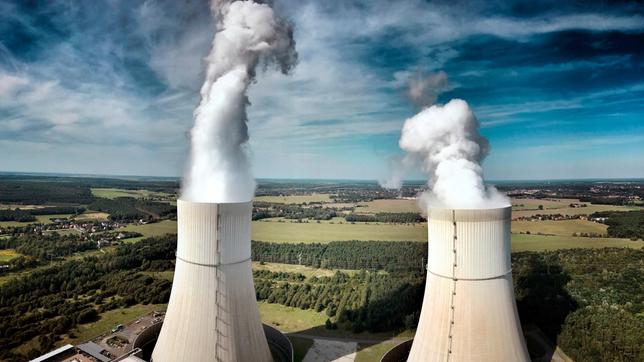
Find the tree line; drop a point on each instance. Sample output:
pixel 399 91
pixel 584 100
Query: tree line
pixel 387 217
pixel 624 224
pixel 128 209
pixel 369 255
pixel 27 215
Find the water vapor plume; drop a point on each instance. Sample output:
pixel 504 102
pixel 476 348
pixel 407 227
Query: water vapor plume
pixel 446 139
pixel 422 88
pixel 247 33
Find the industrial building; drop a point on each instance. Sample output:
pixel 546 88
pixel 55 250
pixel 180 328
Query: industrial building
pixel 469 311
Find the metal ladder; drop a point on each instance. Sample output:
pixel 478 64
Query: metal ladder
pixel 453 295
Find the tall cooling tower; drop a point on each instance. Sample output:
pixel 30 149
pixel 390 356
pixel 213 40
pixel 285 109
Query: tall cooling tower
pixel 469 311
pixel 212 314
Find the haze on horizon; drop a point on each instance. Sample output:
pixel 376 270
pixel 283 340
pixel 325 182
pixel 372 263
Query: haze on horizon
pixel 110 87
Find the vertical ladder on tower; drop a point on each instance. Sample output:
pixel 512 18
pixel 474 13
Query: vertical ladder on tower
pixel 218 295
pixel 453 294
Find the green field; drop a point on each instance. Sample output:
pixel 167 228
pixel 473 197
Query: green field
pixel 374 352
pixel 8 254
pixel 111 193
pixel 573 210
pixel 92 216
pixel 153 229
pixel 523 242
pixel 533 204
pixel 292 232
pixel 561 227
pixel 109 319
pixel 289 319
pixel 295 199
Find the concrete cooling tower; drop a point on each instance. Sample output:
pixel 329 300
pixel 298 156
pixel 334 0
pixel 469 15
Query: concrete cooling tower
pixel 212 314
pixel 469 311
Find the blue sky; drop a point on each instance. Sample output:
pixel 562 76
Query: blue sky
pixel 108 87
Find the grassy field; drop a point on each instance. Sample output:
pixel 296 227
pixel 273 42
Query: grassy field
pixel 304 270
pixel 573 210
pixel 562 227
pixel 111 318
pixel 533 204
pixel 374 352
pixel 93 216
pixel 324 232
pixel 523 242
pixel 8 254
pixel 295 199
pixel 289 319
pixel 110 193
pixel 153 229
pixel 376 206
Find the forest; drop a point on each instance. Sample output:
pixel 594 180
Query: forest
pixel 628 224
pixel 126 209
pixel 390 217
pixel 369 255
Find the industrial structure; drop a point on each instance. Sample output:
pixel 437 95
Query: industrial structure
pixel 469 311
pixel 212 314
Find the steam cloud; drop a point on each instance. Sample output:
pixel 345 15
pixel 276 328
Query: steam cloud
pixel 447 142
pixel 248 33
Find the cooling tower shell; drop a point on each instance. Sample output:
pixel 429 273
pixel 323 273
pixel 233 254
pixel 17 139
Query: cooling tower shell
pixel 469 311
pixel 212 314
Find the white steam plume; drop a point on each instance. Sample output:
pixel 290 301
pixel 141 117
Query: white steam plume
pixel 447 141
pixel 248 32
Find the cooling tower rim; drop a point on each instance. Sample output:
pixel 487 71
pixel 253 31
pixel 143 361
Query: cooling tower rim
pixel 455 214
pixel 189 202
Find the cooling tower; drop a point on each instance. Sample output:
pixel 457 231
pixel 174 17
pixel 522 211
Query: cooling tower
pixel 469 311
pixel 212 314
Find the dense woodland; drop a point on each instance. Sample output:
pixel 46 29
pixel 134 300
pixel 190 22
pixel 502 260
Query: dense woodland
pixel 263 210
pixel 624 224
pixel 130 209
pixel 369 255
pixel 389 217
pixel 27 215
pixel 20 192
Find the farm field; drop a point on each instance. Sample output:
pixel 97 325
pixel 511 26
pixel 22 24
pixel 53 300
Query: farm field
pixel 524 242
pixel 397 205
pixel 92 216
pixel 533 204
pixel 560 227
pixel 111 193
pixel 295 199
pixel 8 254
pixel 153 229
pixel 573 210
pixel 292 232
